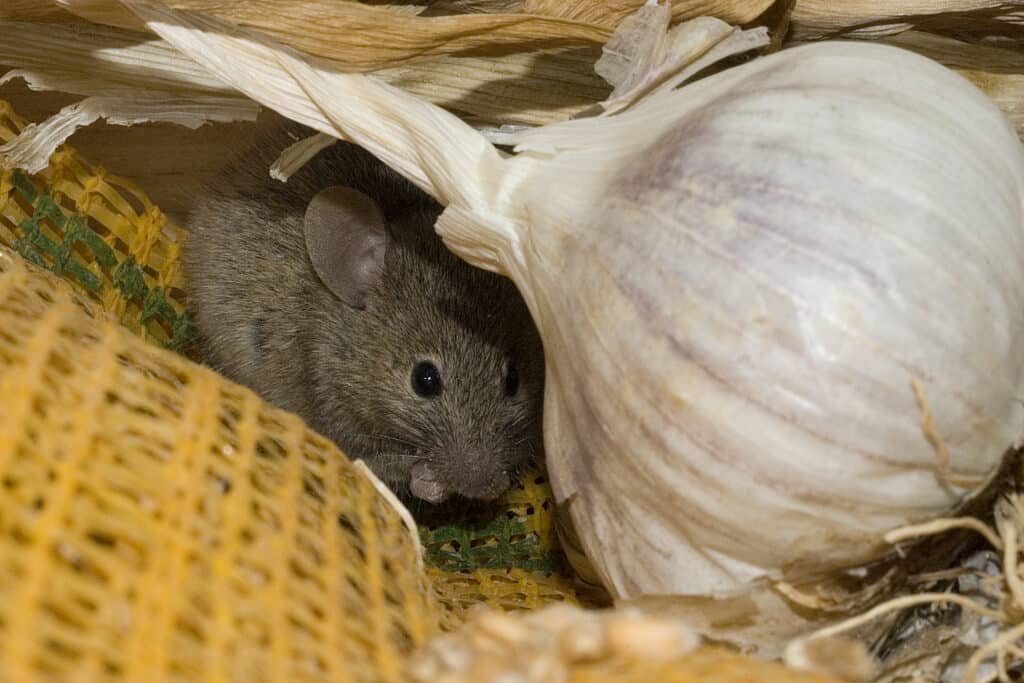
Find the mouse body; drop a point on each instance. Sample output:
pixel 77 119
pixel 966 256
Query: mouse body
pixel 332 297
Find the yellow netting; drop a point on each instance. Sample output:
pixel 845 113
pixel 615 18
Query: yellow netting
pixel 102 234
pixel 156 517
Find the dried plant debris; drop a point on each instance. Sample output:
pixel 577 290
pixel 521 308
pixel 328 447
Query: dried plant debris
pixel 966 625
pixel 979 19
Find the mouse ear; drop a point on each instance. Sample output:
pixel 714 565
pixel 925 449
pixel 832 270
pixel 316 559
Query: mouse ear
pixel 346 239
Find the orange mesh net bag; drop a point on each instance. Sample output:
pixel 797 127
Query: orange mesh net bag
pixel 157 518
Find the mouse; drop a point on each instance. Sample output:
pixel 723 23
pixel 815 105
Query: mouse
pixel 331 296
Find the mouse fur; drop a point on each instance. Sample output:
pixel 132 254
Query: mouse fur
pixel 265 319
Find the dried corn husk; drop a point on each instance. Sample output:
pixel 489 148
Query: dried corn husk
pixel 127 78
pixel 364 38
pixel 530 88
pixel 960 54
pixel 816 19
pixel 35 144
pixel 359 37
pixel 609 13
pixel 33 10
pixel 445 7
pixel 90 59
pixel 645 54
pixel 1006 90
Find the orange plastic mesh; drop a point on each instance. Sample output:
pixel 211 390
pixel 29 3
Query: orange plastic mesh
pixel 159 522
pixel 505 589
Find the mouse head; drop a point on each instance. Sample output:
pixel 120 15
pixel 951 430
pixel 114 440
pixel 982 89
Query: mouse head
pixel 439 382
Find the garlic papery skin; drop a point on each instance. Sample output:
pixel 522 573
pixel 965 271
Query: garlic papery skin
pixel 735 323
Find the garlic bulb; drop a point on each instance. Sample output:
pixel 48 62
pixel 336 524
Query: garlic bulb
pixel 767 300
pixel 737 311
pixel 782 307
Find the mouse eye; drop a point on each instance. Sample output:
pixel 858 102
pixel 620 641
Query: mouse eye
pixel 426 379
pixel 511 380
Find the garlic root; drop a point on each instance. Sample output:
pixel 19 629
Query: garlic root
pixel 1007 614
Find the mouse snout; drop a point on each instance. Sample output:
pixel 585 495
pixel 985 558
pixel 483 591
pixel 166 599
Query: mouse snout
pixel 476 474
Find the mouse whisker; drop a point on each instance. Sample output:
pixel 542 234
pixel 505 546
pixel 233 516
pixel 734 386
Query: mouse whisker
pixel 525 439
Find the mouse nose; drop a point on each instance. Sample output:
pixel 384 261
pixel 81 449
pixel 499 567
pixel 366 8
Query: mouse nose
pixel 478 479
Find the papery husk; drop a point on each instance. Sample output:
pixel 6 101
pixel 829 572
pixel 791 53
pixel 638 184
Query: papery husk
pixel 91 59
pixel 646 55
pixel 1006 90
pixel 562 643
pixel 94 60
pixel 817 19
pixel 606 13
pixel 298 153
pixel 764 617
pixel 126 78
pixel 526 88
pixel 32 149
pixel 359 37
pixel 530 88
pixel 435 150
pixel 610 12
pixel 33 10
pixel 960 54
pixel 445 7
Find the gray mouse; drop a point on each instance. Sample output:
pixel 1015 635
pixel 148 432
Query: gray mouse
pixel 331 296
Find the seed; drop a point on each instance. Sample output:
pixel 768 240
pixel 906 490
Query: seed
pixel 503 627
pixel 510 677
pixel 453 655
pixel 650 639
pixel 558 617
pixel 585 641
pixel 546 668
